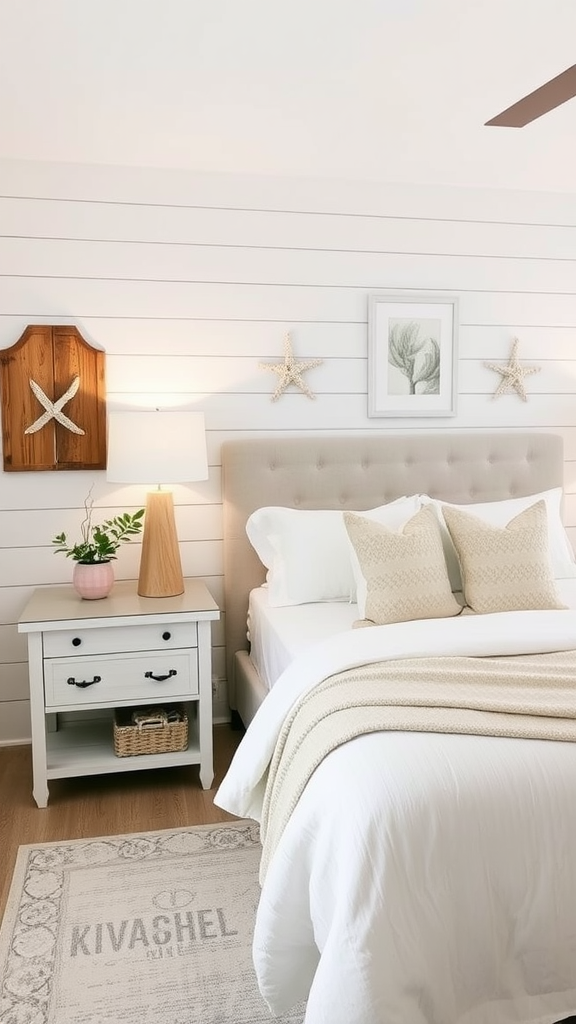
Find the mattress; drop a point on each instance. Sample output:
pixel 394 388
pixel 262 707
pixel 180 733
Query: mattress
pixel 278 635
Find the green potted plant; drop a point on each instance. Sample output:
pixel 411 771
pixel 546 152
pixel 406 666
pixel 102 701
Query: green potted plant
pixel 93 575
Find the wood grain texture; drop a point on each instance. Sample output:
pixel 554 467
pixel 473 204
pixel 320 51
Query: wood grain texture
pixel 52 356
pixel 103 805
pixel 160 564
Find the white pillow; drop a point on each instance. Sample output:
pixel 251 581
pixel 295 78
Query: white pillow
pixel 499 513
pixel 307 552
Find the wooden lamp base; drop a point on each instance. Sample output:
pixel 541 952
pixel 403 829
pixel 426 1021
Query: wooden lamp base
pixel 160 565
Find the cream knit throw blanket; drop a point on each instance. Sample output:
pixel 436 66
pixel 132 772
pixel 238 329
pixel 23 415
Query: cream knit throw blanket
pixel 523 696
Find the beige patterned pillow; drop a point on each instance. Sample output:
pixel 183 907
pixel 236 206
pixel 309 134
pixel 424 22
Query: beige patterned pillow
pixel 504 569
pixel 405 573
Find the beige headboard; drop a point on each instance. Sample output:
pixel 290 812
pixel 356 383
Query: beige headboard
pixel 360 472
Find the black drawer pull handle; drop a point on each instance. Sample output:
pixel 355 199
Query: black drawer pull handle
pixel 84 683
pixel 160 679
pixel 76 641
pixel 166 635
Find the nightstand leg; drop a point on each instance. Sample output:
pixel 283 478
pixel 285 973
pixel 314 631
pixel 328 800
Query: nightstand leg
pixel 40 794
pixel 206 775
pixel 37 719
pixel 205 705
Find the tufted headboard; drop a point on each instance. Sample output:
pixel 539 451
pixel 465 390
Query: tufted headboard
pixel 361 472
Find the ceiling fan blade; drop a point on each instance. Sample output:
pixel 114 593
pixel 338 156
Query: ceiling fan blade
pixel 539 102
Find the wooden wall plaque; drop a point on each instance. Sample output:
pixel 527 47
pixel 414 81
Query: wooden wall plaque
pixel 53 401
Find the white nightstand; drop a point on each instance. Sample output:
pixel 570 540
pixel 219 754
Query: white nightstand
pixel 88 657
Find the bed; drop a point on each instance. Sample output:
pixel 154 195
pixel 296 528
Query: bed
pixel 416 873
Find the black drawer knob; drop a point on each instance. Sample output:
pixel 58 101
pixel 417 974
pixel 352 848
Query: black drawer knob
pixel 76 641
pixel 166 635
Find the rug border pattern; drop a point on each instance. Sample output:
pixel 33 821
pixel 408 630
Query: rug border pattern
pixel 29 930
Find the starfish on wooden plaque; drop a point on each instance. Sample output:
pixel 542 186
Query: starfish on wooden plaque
pixel 290 371
pixel 512 374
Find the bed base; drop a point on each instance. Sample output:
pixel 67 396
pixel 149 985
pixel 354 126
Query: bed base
pixel 250 690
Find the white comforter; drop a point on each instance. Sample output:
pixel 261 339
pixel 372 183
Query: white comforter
pixel 423 878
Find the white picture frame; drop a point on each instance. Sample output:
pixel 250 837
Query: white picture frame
pixel 412 354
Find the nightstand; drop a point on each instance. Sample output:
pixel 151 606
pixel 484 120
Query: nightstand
pixel 87 658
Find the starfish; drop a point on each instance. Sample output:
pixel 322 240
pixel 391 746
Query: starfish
pixel 54 409
pixel 290 371
pixel 513 374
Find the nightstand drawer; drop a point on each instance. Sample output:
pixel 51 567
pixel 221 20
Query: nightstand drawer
pixel 114 678
pixel 108 640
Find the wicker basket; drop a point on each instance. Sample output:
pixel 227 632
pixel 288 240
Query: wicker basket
pixel 152 730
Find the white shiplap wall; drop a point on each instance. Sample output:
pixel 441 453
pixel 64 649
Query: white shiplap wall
pixel 188 281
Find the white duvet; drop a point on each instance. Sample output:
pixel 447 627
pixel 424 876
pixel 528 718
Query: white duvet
pixel 423 878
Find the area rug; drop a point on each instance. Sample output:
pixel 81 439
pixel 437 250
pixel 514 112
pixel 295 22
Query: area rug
pixel 151 928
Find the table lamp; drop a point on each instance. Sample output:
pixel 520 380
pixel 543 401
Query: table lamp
pixel 158 447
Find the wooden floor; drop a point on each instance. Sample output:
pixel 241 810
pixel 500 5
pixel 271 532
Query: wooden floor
pixel 103 805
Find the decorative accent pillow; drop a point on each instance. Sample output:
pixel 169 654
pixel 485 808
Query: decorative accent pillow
pixel 404 575
pixel 504 569
pixel 307 553
pixel 499 513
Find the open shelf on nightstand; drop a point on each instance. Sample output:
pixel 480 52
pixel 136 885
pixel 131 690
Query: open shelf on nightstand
pixel 92 740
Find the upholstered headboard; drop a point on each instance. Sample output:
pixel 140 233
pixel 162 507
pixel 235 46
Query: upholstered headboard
pixel 361 472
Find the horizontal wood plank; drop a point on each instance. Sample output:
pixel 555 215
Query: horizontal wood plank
pixel 264 229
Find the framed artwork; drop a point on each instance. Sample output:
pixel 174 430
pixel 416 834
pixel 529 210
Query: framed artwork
pixel 412 343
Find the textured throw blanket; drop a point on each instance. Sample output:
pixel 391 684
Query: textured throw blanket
pixel 522 696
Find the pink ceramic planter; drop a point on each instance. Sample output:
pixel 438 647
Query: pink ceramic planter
pixel 93 582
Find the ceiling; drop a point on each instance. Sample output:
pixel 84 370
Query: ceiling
pixel 382 90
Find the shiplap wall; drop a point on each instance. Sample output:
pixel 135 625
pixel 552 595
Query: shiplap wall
pixel 188 281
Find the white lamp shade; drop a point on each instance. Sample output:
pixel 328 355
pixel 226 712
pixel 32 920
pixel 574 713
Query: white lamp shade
pixel 156 447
